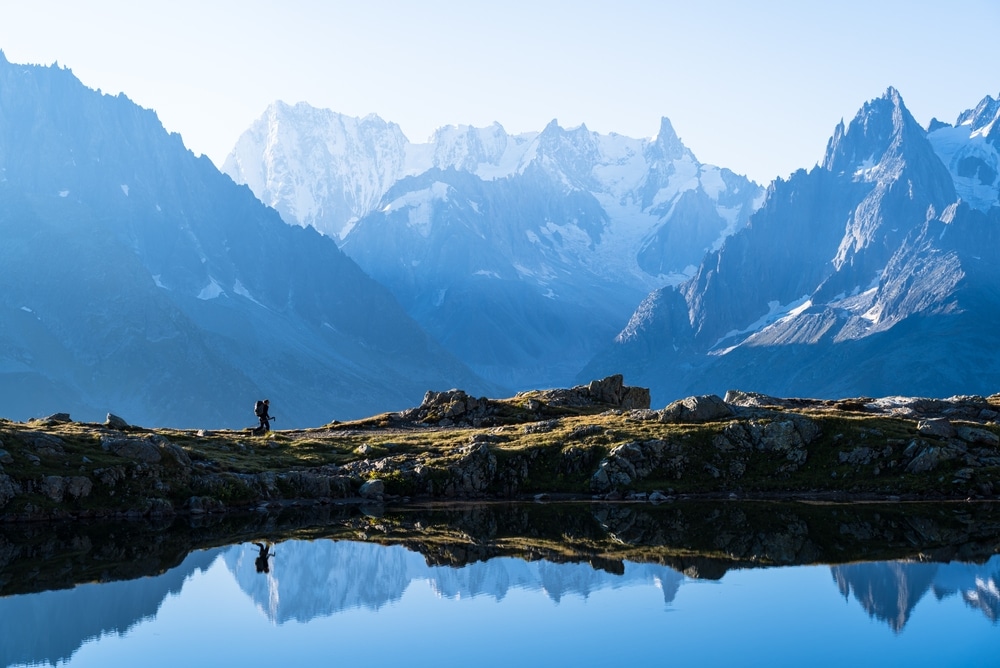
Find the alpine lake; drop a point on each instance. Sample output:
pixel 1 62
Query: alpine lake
pixel 684 583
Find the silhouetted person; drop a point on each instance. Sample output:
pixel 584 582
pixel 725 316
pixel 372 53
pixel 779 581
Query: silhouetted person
pixel 261 561
pixel 261 409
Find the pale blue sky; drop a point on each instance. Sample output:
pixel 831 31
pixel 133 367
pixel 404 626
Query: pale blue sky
pixel 754 86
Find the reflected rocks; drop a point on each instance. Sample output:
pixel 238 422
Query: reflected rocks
pixel 704 539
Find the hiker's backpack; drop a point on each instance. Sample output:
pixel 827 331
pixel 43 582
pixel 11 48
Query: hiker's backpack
pixel 258 408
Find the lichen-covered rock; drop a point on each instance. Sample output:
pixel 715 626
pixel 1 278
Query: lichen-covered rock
pixel 473 473
pixel 635 460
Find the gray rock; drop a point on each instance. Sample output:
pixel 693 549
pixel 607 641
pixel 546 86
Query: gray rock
pixel 927 457
pixel 977 435
pixel 115 422
pixel 701 408
pixel 751 399
pixel 8 489
pixel 636 460
pixel 5 457
pixel 609 391
pixel 44 444
pixel 373 489
pixel 474 472
pixel 137 449
pixel 54 487
pixel 199 505
pixel 160 507
pixel 936 427
pixel 58 417
pixel 79 487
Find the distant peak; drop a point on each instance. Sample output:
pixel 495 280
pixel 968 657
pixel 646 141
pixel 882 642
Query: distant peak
pixel 666 132
pixel 667 142
pixel 880 125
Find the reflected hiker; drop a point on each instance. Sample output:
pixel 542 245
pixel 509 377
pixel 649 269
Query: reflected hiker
pixel 261 409
pixel 264 553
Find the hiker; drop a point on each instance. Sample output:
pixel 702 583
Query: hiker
pixel 260 409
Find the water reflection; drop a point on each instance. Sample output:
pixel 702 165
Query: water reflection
pixel 321 578
pixel 144 594
pixel 890 591
pixel 48 627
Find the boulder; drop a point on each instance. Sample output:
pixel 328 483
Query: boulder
pixel 115 422
pixel 977 435
pixel 44 444
pixel 79 487
pixel 8 489
pixel 53 486
pixel 635 460
pixel 372 489
pixel 936 427
pixel 703 408
pixel 136 449
pixel 610 391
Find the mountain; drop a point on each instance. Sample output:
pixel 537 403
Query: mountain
pixel 875 273
pixel 138 279
pixel 521 254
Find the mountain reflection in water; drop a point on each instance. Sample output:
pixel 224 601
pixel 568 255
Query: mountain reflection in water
pixel 889 591
pixel 312 579
pixel 290 588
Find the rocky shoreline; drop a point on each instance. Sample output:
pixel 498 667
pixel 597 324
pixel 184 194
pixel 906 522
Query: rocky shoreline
pixel 599 441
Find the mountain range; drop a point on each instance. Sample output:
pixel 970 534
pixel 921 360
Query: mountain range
pixel 138 279
pixel 522 254
pixel 873 274
pixel 357 270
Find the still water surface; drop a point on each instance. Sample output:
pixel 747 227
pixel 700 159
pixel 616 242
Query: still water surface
pixel 342 602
